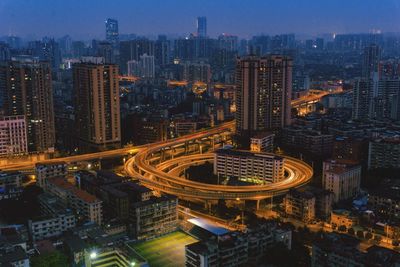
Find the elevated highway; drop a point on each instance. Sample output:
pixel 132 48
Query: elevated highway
pixel 165 176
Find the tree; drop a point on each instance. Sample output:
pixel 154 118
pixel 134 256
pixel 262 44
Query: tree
pixel 55 258
pixel 351 231
pixel 342 228
pixel 360 234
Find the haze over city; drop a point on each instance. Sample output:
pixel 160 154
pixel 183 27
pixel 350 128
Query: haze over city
pixel 83 19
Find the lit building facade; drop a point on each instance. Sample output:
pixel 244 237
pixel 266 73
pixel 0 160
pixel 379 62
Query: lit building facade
pixel 263 94
pixel 97 106
pixel 28 91
pixel 245 165
pixel 342 177
pixel 13 137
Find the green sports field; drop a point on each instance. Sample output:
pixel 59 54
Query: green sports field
pixel 165 251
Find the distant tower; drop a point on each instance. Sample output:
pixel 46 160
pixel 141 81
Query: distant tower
pixel 202 26
pixel 367 100
pixel 371 57
pixel 112 34
pixel 263 94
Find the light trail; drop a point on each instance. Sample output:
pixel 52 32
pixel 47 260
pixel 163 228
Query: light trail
pixel 165 177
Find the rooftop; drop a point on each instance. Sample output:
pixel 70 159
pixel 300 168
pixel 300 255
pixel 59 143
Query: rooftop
pixel 209 226
pixel 64 184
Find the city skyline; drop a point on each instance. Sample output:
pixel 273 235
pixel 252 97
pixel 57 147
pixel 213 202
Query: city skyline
pixel 307 18
pixel 199 133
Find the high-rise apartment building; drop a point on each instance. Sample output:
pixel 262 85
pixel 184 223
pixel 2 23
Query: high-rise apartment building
pixel 376 99
pixel 143 68
pixel 263 94
pixel 366 96
pixel 132 50
pixel 28 91
pixel 201 26
pixel 97 105
pixel 362 98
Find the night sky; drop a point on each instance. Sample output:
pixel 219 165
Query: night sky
pixel 85 18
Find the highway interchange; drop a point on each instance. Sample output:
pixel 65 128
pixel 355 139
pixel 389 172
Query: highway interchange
pixel 166 176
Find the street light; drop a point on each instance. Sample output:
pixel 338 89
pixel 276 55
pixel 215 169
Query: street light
pixel 133 263
pixel 93 255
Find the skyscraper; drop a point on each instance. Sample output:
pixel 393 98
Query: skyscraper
pixel 28 91
pixel 371 57
pixel 201 26
pixel 367 99
pixel 263 94
pixel 97 108
pixel 112 34
pixel 143 68
pixel 362 98
pixel 132 50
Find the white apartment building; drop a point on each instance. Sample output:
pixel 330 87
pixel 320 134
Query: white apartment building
pixel 249 166
pixel 13 137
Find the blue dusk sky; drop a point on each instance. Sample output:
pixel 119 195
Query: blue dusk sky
pixel 85 18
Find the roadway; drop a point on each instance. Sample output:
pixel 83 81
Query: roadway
pixel 166 176
pixel 313 96
pixel 30 164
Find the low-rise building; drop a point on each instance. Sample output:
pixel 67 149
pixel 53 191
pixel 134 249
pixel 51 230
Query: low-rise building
pixel 308 203
pixel 384 153
pixel 342 250
pixel 300 205
pixel 56 219
pixel 47 227
pixel 343 217
pixel 13 248
pixel 116 192
pixel 45 171
pixel 10 184
pixel 236 248
pixel 385 200
pixel 263 142
pixel 311 141
pixel 341 177
pixel 153 217
pixel 87 206
pixel 249 166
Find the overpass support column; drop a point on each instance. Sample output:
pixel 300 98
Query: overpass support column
pixel 258 204
pixel 186 147
pixel 162 155
pixel 207 205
